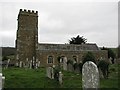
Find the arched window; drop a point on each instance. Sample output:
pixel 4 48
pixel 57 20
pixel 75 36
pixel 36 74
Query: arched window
pixel 62 59
pixel 75 59
pixel 50 59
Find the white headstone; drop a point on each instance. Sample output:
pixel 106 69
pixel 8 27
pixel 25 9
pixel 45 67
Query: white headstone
pixel 30 64
pixel 60 78
pixel 90 76
pixel 2 80
pixel 20 63
pixel 38 63
pixel 7 63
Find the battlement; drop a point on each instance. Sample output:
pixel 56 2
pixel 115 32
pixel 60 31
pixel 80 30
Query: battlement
pixel 28 12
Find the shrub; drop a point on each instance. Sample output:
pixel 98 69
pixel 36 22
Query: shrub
pixel 4 58
pixel 70 62
pixel 57 69
pixel 80 66
pixel 75 65
pixel 104 66
pixel 89 57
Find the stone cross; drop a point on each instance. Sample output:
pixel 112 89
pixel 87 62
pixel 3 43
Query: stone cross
pixel 90 76
pixel 65 63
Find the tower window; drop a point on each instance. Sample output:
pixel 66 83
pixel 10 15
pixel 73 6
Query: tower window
pixel 50 59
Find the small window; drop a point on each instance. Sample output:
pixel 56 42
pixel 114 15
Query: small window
pixel 62 59
pixel 50 59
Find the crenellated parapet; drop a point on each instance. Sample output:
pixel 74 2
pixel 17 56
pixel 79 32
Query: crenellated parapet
pixel 28 12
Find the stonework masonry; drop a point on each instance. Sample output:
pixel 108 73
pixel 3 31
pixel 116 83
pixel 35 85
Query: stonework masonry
pixel 27 35
pixel 28 47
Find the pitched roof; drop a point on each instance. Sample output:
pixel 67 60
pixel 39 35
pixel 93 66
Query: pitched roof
pixel 67 47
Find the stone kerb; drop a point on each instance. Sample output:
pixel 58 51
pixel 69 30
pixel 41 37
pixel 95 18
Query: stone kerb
pixel 90 76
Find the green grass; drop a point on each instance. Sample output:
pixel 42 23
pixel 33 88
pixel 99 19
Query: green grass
pixel 31 78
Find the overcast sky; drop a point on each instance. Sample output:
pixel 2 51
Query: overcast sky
pixel 61 20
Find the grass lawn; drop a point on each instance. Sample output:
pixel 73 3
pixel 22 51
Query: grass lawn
pixel 31 78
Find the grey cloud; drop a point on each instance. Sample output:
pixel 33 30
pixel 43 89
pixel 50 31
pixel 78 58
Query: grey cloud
pixel 58 22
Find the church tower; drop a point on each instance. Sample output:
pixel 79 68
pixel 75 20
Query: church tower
pixel 27 35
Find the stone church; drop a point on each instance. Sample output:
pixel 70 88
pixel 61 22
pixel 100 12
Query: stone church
pixel 28 48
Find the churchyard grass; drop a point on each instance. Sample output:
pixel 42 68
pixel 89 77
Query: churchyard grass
pixel 36 78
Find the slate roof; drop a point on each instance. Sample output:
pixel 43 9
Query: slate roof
pixel 67 47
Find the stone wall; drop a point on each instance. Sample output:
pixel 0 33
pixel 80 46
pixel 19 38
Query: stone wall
pixel 68 47
pixel 43 55
pixel 27 35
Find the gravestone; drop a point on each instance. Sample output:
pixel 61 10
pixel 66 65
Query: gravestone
pixel 60 78
pixel 27 62
pixel 38 63
pixel 30 64
pixel 65 63
pixel 50 72
pixel 2 80
pixel 110 60
pixel 7 63
pixel 70 67
pixel 20 64
pixel 90 76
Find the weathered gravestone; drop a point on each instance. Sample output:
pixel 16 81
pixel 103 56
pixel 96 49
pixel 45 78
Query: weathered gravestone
pixel 60 78
pixel 70 67
pixel 20 65
pixel 2 80
pixel 7 63
pixel 65 63
pixel 50 72
pixel 30 64
pixel 90 76
pixel 38 63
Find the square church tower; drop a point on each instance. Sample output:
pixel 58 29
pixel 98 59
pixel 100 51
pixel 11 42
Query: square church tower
pixel 27 35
